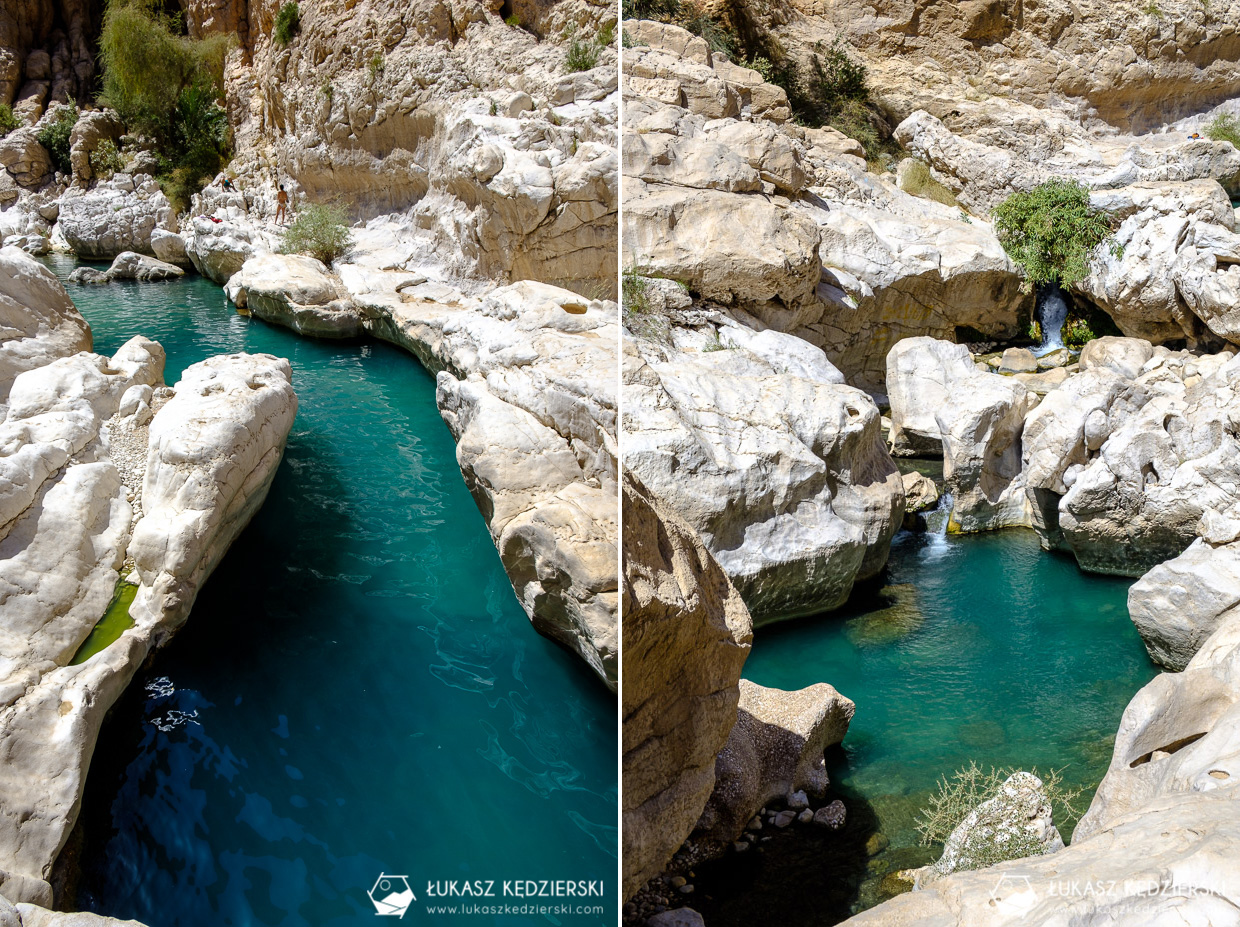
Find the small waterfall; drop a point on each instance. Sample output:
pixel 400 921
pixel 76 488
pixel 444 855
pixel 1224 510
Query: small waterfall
pixel 936 518
pixel 1051 312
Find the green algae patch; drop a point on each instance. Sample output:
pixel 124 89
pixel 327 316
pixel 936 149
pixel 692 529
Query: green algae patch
pixel 111 626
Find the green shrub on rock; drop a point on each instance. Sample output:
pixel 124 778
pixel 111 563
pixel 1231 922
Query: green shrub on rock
pixel 1225 128
pixel 321 231
pixel 1052 231
pixel 582 55
pixel 957 797
pixel 55 137
pixel 8 122
pixel 167 86
pixel 288 23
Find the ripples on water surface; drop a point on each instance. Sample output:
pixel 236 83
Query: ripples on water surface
pixel 978 648
pixel 356 690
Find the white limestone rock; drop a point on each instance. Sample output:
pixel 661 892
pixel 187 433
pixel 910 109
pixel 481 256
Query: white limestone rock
pixel 38 321
pixel 796 505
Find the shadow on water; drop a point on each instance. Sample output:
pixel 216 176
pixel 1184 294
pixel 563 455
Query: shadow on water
pixel 804 874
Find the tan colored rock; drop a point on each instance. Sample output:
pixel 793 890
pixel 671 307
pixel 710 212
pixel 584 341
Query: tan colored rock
pixel 297 292
pixel 686 636
pixel 776 748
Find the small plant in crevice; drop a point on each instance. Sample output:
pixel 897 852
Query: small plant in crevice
pixel 514 20
pixel 54 136
pixel 1052 232
pixel 320 230
pixel 639 308
pixel 583 54
pixel 288 24
pixel 376 66
pixel 106 159
pixel 1152 9
pixel 8 122
pixel 716 344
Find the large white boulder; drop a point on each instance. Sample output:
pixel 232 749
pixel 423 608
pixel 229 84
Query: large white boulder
pixel 38 321
pixel 1180 603
pixel 795 505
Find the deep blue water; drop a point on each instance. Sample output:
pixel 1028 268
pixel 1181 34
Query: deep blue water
pixel 358 690
pixel 980 648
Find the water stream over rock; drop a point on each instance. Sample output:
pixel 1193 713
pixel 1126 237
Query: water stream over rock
pixel 1051 313
pixel 357 690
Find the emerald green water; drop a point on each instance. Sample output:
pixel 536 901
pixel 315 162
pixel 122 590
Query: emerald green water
pixel 977 648
pixel 356 691
pixel 111 626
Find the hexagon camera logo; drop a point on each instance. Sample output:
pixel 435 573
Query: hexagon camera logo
pixel 392 895
pixel 1014 894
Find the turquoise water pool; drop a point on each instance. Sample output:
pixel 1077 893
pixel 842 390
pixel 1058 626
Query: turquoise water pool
pixel 356 691
pixel 980 648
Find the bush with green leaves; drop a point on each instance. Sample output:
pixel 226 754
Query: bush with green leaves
pixel 582 54
pixel 167 86
pixel 321 231
pixel 288 23
pixel 8 122
pixel 1052 231
pixel 662 10
pixel 54 136
pixel 1225 128
pixel 106 159
pixel 959 795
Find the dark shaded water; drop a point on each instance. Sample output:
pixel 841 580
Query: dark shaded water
pixel 357 690
pixel 977 648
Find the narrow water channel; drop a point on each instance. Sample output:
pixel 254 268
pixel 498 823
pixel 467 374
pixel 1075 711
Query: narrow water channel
pixel 356 691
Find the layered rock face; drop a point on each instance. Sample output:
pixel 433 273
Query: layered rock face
pixel 1132 67
pixel 782 226
pixel 47 51
pixel 686 636
pixel 797 505
pixel 108 468
pixel 500 158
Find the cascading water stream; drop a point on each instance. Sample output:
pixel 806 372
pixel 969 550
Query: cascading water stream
pixel 1051 313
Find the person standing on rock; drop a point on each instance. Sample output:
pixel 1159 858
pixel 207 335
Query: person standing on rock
pixel 281 205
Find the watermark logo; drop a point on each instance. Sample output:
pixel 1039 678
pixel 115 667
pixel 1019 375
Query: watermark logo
pixel 392 895
pixel 1013 894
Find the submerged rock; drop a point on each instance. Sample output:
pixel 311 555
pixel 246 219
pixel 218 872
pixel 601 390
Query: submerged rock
pixel 131 266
